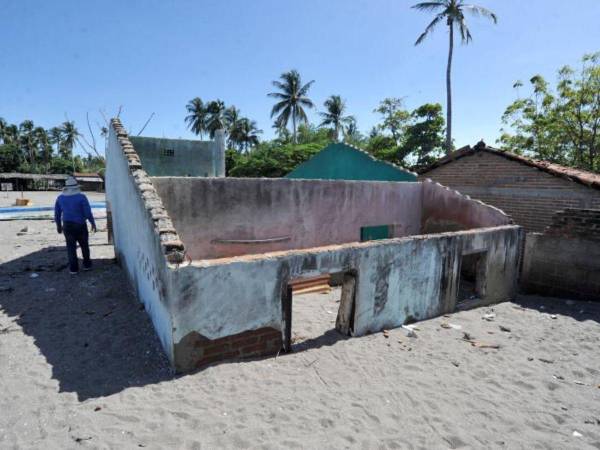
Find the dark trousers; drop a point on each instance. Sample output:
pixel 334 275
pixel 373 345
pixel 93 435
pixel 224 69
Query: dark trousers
pixel 77 233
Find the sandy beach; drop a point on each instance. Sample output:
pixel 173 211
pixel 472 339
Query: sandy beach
pixel 81 367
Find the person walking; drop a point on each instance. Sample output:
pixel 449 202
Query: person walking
pixel 71 211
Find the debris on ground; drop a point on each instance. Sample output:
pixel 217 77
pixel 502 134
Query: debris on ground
pixel 489 317
pixel 451 326
pixel 505 329
pixel 386 334
pixel 471 340
pixel 577 434
pixel 409 331
pixel 34 275
pixel 547 361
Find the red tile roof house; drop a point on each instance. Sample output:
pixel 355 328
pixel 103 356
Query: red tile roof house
pixel 559 206
pixel 528 190
pixel 213 259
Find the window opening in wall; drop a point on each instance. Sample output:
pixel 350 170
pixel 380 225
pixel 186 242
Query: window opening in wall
pixel 472 280
pixel 318 311
pixel 167 152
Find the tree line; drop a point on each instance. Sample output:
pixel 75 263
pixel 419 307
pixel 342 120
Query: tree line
pixel 560 124
pixel 29 148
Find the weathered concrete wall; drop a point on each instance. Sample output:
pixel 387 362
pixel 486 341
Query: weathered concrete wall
pixel 529 195
pixel 181 157
pixel 143 235
pixel 211 213
pixel 445 209
pixel 398 280
pixel 564 261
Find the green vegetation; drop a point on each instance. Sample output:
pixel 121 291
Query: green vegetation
pixel 453 13
pixel 561 124
pixel 30 149
pixel 334 117
pixel 291 101
pixel 406 138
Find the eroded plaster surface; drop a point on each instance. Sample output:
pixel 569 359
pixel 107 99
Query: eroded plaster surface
pixel 234 216
pixel 221 295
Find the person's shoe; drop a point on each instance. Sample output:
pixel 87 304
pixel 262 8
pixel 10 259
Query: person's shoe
pixel 73 273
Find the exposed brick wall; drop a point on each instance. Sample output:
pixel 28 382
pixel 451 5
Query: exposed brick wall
pixel 564 261
pixel 576 222
pixel 529 195
pixel 196 351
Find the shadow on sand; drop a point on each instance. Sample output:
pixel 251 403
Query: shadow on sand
pixel 577 309
pixel 89 327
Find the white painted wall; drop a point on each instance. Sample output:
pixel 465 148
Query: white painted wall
pixel 136 244
pixel 397 279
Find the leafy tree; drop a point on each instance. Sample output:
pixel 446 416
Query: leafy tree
pixel 10 158
pixel 334 117
pixel 292 99
pixel 453 13
pixel 384 147
pixel 394 117
pixel 273 160
pixel 197 116
pixel 423 141
pixel 560 125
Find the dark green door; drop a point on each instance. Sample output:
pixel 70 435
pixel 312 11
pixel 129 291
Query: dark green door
pixel 375 232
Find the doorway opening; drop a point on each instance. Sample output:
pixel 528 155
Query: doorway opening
pixel 314 316
pixel 472 279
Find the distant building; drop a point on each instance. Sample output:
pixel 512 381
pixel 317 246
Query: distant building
pixel 530 191
pixel 181 157
pixel 343 162
pixel 14 181
pixel 89 181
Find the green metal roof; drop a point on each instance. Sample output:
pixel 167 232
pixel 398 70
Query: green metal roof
pixel 340 161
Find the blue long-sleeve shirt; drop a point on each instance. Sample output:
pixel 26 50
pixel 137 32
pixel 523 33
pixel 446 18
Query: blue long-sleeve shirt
pixel 73 208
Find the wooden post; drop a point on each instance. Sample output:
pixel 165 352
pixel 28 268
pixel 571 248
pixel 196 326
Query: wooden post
pixel 286 310
pixel 345 318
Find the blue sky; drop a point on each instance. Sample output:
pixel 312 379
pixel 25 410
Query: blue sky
pixel 65 58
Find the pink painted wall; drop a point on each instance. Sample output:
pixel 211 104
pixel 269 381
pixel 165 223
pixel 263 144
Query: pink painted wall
pixel 308 213
pixel 447 207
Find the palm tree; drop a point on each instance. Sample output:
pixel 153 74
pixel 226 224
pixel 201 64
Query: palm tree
pixel 55 136
pixel 3 126
pixel 28 139
pixel 69 138
pixel 245 133
pixel 292 100
pixel 43 144
pixel 453 12
pixel 10 135
pixel 216 119
pixel 334 117
pixel 197 115
pixel 232 122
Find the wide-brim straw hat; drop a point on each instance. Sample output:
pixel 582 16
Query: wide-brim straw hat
pixel 71 186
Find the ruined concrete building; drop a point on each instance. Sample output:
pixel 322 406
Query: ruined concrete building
pixel 212 258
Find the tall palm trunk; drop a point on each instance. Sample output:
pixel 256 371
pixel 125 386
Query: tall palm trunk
pixel 294 125
pixel 449 89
